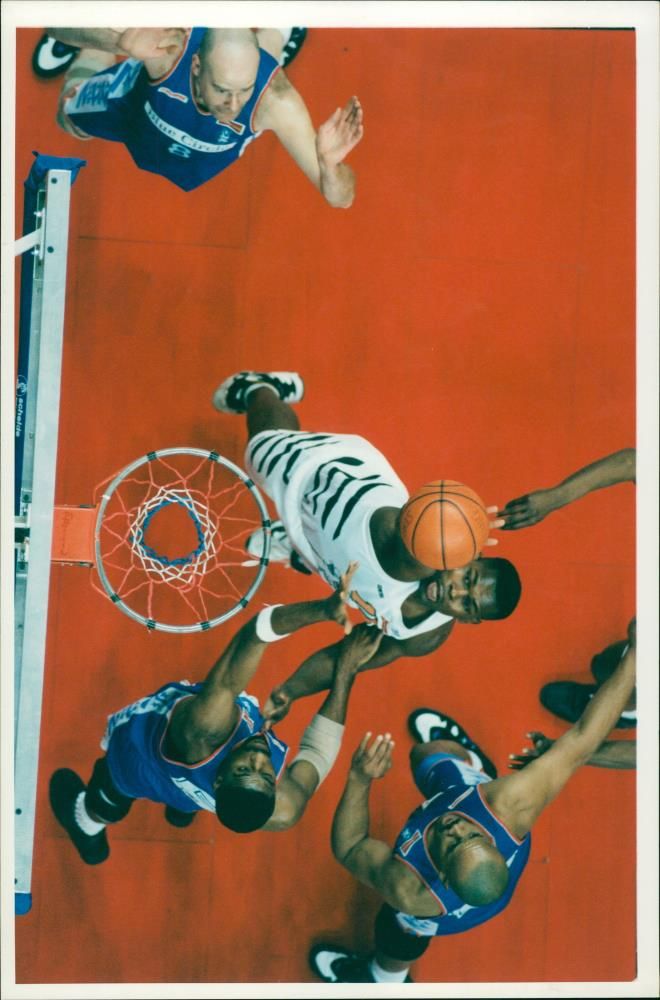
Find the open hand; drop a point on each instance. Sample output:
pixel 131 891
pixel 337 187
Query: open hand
pixel 151 43
pixel 527 510
pixel 358 647
pixel 336 605
pixel 340 133
pixel 372 761
pixel 540 744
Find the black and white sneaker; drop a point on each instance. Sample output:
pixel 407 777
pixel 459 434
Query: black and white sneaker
pixel 280 546
pixel 293 46
pixel 231 395
pixel 337 965
pixel 50 57
pixel 426 725
pixel 65 787
pixel 177 817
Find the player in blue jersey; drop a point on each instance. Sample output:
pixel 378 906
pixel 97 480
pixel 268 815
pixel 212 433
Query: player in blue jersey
pixel 186 103
pixel 207 746
pixel 459 856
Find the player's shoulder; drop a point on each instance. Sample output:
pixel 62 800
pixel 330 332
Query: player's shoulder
pixel 279 99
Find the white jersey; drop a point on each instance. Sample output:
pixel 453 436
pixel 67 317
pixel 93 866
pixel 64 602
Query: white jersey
pixel 326 487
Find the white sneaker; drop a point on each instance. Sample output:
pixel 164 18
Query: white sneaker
pixel 280 546
pixel 231 395
pixel 51 57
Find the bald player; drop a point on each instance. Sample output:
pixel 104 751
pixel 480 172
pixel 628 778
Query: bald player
pixel 187 102
pixel 460 855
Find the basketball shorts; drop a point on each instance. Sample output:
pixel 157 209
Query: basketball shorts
pixel 283 463
pixel 99 106
pixel 441 771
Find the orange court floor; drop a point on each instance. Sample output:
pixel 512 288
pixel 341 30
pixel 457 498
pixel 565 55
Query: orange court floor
pixel 473 316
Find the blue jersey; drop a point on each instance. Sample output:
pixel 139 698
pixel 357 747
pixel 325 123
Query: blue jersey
pixel 461 793
pixel 158 120
pixel 134 741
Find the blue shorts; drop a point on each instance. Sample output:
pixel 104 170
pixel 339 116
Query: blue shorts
pixel 102 104
pixel 440 771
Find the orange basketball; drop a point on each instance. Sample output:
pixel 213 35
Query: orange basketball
pixel 444 524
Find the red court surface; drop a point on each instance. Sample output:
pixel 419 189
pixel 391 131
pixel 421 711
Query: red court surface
pixel 473 316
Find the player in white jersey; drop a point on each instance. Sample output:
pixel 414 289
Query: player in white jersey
pixel 336 493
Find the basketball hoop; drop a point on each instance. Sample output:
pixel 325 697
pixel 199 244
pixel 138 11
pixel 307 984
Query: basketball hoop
pixel 169 539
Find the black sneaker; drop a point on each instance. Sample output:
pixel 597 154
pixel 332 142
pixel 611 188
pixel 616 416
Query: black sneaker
pixel 230 397
pixel 65 787
pixel 426 724
pixel 177 817
pixel 50 58
pixel 336 965
pixel 293 46
pixel 568 700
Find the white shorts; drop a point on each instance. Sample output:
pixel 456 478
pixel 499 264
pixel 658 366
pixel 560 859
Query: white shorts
pixel 282 464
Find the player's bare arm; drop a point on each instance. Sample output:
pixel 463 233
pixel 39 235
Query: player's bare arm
pixel 518 799
pixel 157 48
pixel 620 467
pixel 319 155
pixel 368 859
pixel 203 722
pixel 617 755
pixel 316 672
pixel 304 775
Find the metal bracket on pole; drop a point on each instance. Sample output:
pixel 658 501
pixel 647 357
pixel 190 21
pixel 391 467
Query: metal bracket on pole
pixel 34 240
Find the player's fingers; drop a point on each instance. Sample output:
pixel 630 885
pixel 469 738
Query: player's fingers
pixel 371 751
pixel 491 541
pixel 364 741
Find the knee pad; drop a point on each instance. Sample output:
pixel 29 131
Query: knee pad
pixel 102 798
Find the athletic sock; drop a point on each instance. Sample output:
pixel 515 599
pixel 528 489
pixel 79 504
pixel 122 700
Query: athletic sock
pixel 260 385
pixel 383 976
pixel 84 820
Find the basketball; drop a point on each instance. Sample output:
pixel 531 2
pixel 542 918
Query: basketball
pixel 444 524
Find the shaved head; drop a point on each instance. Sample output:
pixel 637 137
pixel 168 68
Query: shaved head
pixel 480 877
pixel 220 41
pixel 224 71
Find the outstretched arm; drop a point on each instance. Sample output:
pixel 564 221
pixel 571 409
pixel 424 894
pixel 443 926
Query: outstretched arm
pixel 518 799
pixel 368 859
pixel 210 715
pixel 140 43
pixel 319 155
pixel 619 755
pixel 322 739
pixel 533 507
pixel 316 672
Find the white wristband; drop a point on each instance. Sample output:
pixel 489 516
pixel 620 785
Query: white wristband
pixel 320 745
pixel 263 627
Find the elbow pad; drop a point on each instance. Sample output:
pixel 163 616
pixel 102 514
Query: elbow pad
pixel 320 745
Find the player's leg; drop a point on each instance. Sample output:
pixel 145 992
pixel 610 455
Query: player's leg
pixel 395 951
pixel 284 44
pixel 569 699
pixel 85 810
pixel 267 412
